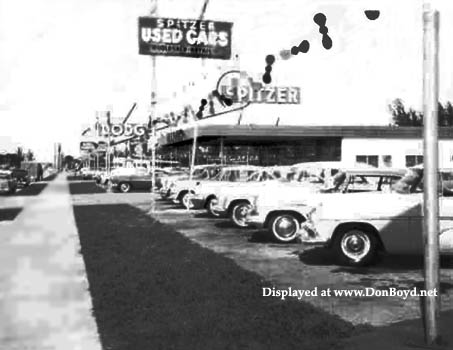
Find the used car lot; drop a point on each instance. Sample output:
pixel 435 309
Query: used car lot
pixel 294 265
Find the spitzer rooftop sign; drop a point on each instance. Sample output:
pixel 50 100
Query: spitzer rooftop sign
pixel 184 37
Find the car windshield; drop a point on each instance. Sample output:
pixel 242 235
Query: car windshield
pixel 206 173
pixel 235 175
pixel 366 183
pixel 346 182
pixel 411 182
pixel 261 175
pixel 314 176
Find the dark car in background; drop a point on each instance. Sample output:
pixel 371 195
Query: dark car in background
pixel 8 185
pixel 21 176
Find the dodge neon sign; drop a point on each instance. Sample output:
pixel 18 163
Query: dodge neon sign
pixel 184 37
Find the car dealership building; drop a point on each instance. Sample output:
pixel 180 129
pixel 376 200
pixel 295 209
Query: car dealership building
pixel 383 146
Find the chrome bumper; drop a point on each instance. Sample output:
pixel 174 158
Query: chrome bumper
pixel 255 220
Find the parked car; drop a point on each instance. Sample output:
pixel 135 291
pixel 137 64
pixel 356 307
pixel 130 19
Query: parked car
pixel 87 173
pixel 178 189
pixel 103 177
pixel 165 180
pixel 99 176
pixel 206 194
pixel 390 223
pixel 187 190
pixel 298 179
pixel 131 179
pixel 21 176
pixel 8 184
pixel 283 214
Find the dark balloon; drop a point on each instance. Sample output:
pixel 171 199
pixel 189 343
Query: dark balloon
pixel 228 101
pixel 327 42
pixel 304 46
pixel 320 19
pixel 372 14
pixel 270 59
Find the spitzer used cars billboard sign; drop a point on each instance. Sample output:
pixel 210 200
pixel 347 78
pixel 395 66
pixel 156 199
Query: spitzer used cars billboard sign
pixel 184 37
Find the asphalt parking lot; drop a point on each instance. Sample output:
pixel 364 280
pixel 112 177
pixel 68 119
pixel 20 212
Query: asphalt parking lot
pixel 291 265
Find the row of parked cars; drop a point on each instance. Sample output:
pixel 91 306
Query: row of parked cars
pixel 127 179
pixel 357 212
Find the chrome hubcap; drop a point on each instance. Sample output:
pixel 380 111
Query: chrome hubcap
pixel 241 213
pixel 355 245
pixel 285 227
pixel 186 201
pixel 212 203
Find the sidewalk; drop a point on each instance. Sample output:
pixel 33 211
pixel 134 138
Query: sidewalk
pixel 44 298
pixel 405 335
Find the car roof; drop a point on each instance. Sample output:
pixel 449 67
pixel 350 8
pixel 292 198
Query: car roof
pixel 207 166
pixel 375 171
pixel 326 164
pixel 420 166
pixel 242 167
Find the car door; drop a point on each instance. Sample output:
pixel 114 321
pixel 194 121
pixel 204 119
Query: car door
pixel 446 224
pixel 414 241
pixel 142 179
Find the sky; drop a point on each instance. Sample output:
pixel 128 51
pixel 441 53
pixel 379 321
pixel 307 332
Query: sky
pixel 63 60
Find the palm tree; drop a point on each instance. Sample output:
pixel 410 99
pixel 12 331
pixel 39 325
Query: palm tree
pixel 30 155
pixel 19 156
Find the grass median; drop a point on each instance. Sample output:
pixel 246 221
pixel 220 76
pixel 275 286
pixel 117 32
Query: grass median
pixel 88 187
pixel 152 288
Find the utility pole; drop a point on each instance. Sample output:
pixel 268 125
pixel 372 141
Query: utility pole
pixel 431 194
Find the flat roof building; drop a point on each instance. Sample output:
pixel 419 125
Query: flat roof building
pixel 384 146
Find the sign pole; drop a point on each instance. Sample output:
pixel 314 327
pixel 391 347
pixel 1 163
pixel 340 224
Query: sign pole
pixel 153 159
pixel 431 194
pixel 195 127
pixel 153 12
pixel 194 149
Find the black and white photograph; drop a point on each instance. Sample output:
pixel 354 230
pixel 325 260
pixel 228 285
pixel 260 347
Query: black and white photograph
pixel 226 174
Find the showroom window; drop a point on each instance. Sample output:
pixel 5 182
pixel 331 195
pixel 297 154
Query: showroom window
pixel 371 160
pixel 387 161
pixel 412 160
